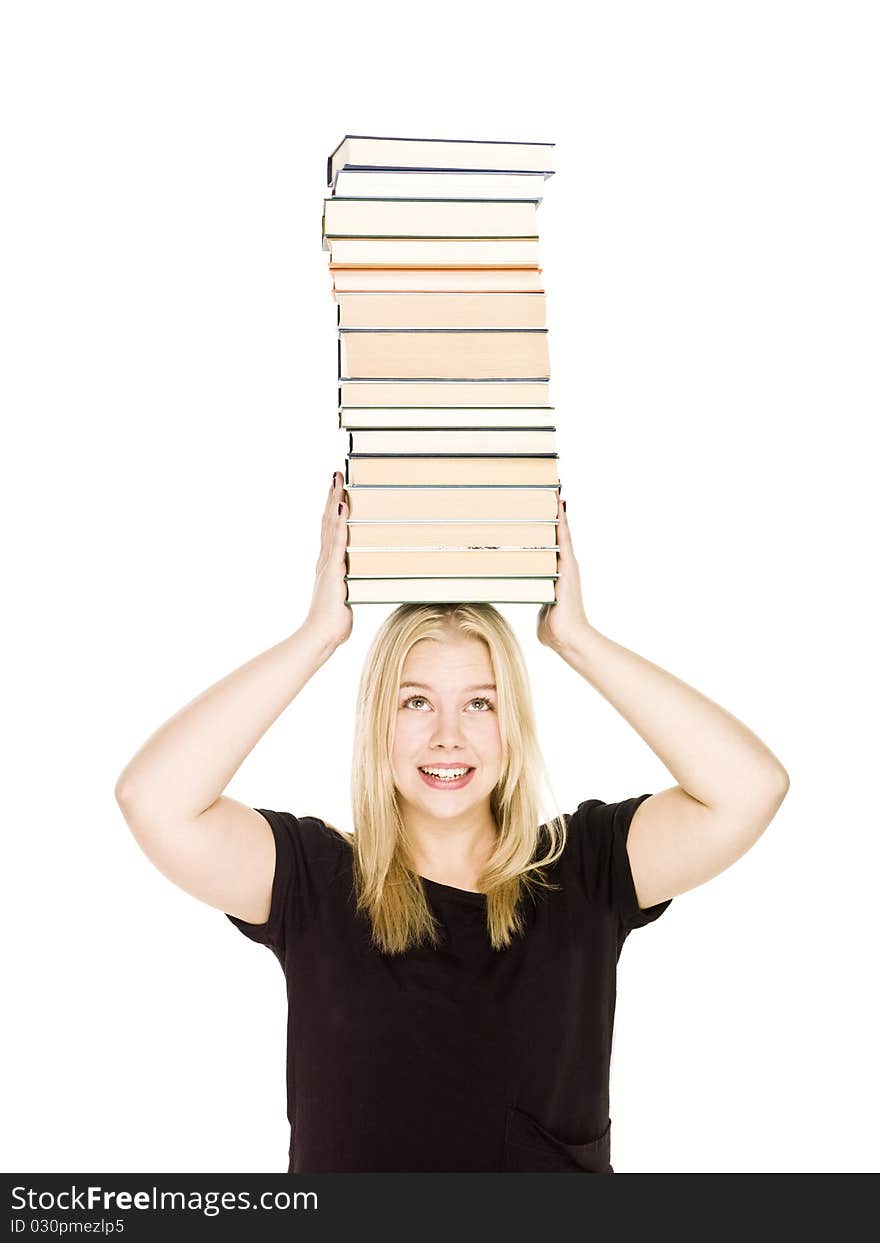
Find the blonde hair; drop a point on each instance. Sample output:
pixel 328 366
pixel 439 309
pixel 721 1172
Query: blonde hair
pixel 386 886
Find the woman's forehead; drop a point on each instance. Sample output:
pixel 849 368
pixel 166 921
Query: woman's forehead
pixel 448 663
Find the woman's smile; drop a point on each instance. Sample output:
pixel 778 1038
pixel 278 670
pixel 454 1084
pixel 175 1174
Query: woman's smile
pixel 446 783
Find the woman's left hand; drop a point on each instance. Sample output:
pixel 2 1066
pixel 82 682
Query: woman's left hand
pixel 561 623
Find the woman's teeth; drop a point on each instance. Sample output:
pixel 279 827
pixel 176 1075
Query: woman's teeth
pixel 446 774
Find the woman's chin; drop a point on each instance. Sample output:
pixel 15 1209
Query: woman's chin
pixel 441 803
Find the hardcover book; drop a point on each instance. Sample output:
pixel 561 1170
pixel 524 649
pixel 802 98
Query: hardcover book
pixel 443 183
pixel 440 354
pixel 441 310
pixel 444 392
pixel 512 469
pixel 369 152
pixel 405 417
pixel 522 589
pixel 461 534
pixel 450 218
pixel 437 280
pixel 454 441
pixel 428 252
pixel 449 562
pixel 453 503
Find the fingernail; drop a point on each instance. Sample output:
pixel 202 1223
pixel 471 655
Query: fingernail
pixel 333 484
pixel 339 509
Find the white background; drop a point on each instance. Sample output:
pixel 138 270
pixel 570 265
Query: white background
pixel 710 253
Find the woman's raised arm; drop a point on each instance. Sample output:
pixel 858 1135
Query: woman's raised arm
pixel 170 792
pixel 730 784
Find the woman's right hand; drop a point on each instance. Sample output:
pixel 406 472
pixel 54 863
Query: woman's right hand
pixel 330 615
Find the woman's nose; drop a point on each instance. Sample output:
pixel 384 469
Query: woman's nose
pixel 447 729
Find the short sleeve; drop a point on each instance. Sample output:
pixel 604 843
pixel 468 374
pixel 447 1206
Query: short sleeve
pixel 305 855
pixel 598 833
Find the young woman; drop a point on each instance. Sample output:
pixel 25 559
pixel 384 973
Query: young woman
pixel 451 966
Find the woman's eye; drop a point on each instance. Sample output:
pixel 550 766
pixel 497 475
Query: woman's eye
pixel 421 699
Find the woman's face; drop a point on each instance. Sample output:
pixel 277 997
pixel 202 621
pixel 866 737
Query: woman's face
pixel 447 719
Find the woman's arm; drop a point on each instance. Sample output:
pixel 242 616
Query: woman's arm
pixel 170 792
pixel 730 785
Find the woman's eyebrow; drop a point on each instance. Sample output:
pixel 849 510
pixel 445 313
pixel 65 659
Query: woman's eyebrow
pixel 484 686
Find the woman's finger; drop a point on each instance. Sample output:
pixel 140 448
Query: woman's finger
pixel 342 528
pixel 564 539
pixel 328 525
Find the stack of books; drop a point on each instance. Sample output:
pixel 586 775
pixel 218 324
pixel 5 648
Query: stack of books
pixel 451 467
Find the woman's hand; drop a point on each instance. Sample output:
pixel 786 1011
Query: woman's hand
pixel 561 623
pixel 330 616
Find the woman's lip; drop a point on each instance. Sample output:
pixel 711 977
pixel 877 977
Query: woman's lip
pixel 437 783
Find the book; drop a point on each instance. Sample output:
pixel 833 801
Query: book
pixel 413 183
pixel 409 252
pixel 451 469
pixel 442 562
pixel 441 310
pixel 369 151
pixel 444 392
pixel 453 280
pixel 522 589
pixel 462 533
pixel 446 416
pixel 410 469
pixel 449 218
pixel 438 354
pixel 445 441
pixel 452 503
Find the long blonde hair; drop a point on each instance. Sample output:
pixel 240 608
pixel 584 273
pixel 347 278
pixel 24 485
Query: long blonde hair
pixel 386 886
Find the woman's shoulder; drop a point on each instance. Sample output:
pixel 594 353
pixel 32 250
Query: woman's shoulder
pixel 307 835
pixel 330 833
pixel 591 832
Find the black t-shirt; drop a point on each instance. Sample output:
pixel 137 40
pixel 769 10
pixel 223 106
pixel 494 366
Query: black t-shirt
pixel 460 1058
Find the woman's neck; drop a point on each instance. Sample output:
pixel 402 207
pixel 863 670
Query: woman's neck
pixel 451 852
